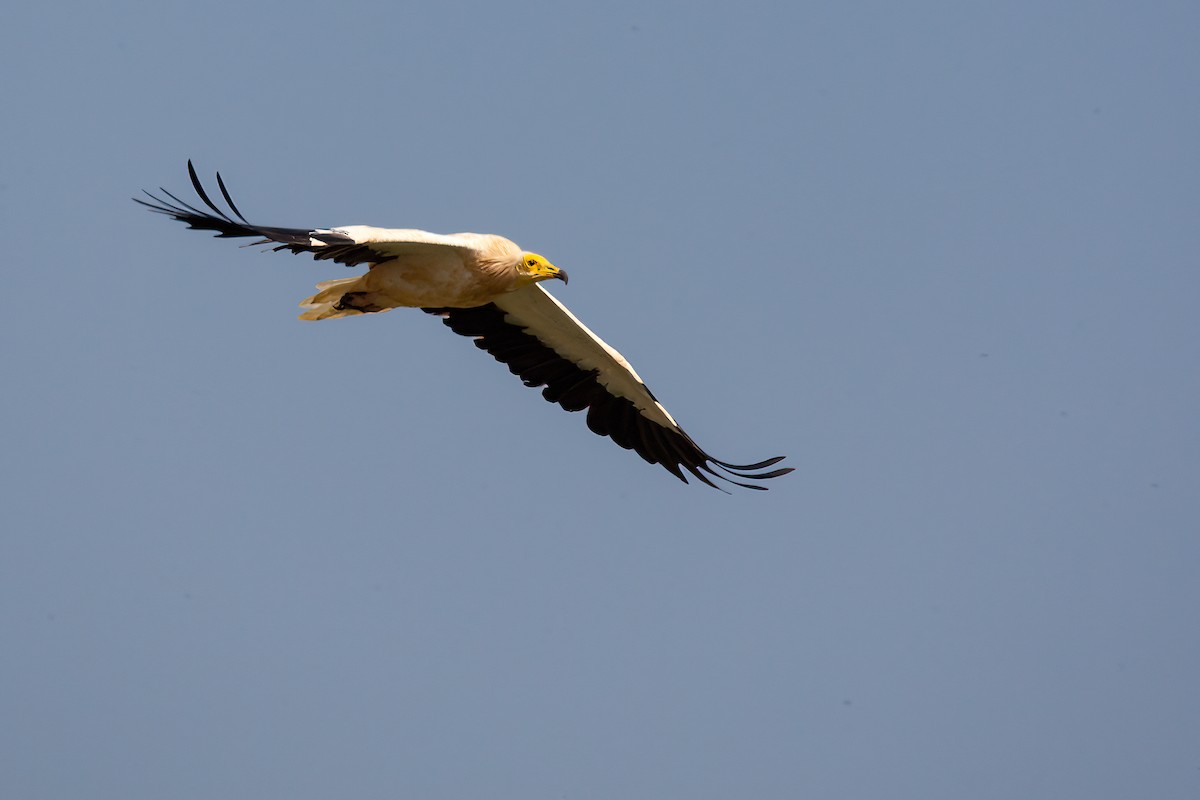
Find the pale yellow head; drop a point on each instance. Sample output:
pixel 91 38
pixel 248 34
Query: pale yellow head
pixel 536 268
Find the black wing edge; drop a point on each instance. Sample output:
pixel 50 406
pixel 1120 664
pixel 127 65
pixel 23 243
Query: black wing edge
pixel 576 389
pixel 297 240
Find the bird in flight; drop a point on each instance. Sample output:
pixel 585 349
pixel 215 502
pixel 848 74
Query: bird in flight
pixel 488 288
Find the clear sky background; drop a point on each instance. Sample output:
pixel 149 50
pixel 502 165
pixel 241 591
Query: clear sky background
pixel 943 255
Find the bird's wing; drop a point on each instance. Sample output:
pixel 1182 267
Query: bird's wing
pixel 546 345
pixel 350 245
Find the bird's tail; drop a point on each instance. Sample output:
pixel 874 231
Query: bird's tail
pixel 343 297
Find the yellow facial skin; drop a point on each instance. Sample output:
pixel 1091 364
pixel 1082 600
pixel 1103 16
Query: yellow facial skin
pixel 537 268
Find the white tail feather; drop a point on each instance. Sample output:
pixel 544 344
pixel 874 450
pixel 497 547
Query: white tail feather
pixel 321 305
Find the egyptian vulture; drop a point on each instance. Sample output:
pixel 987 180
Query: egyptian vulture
pixel 488 288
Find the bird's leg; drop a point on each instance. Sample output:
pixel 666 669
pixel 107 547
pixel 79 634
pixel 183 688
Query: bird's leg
pixel 357 301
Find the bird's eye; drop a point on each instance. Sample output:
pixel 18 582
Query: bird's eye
pixel 531 263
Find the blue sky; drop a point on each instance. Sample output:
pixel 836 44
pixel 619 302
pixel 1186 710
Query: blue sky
pixel 942 255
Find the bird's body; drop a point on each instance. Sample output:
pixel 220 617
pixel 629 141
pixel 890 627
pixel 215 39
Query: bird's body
pixel 423 270
pixel 486 287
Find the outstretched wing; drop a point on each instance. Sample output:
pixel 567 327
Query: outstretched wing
pixel 546 345
pixel 351 245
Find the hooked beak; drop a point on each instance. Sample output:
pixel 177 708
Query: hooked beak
pixel 561 275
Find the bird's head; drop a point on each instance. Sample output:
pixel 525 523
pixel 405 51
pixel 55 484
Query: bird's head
pixel 536 268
